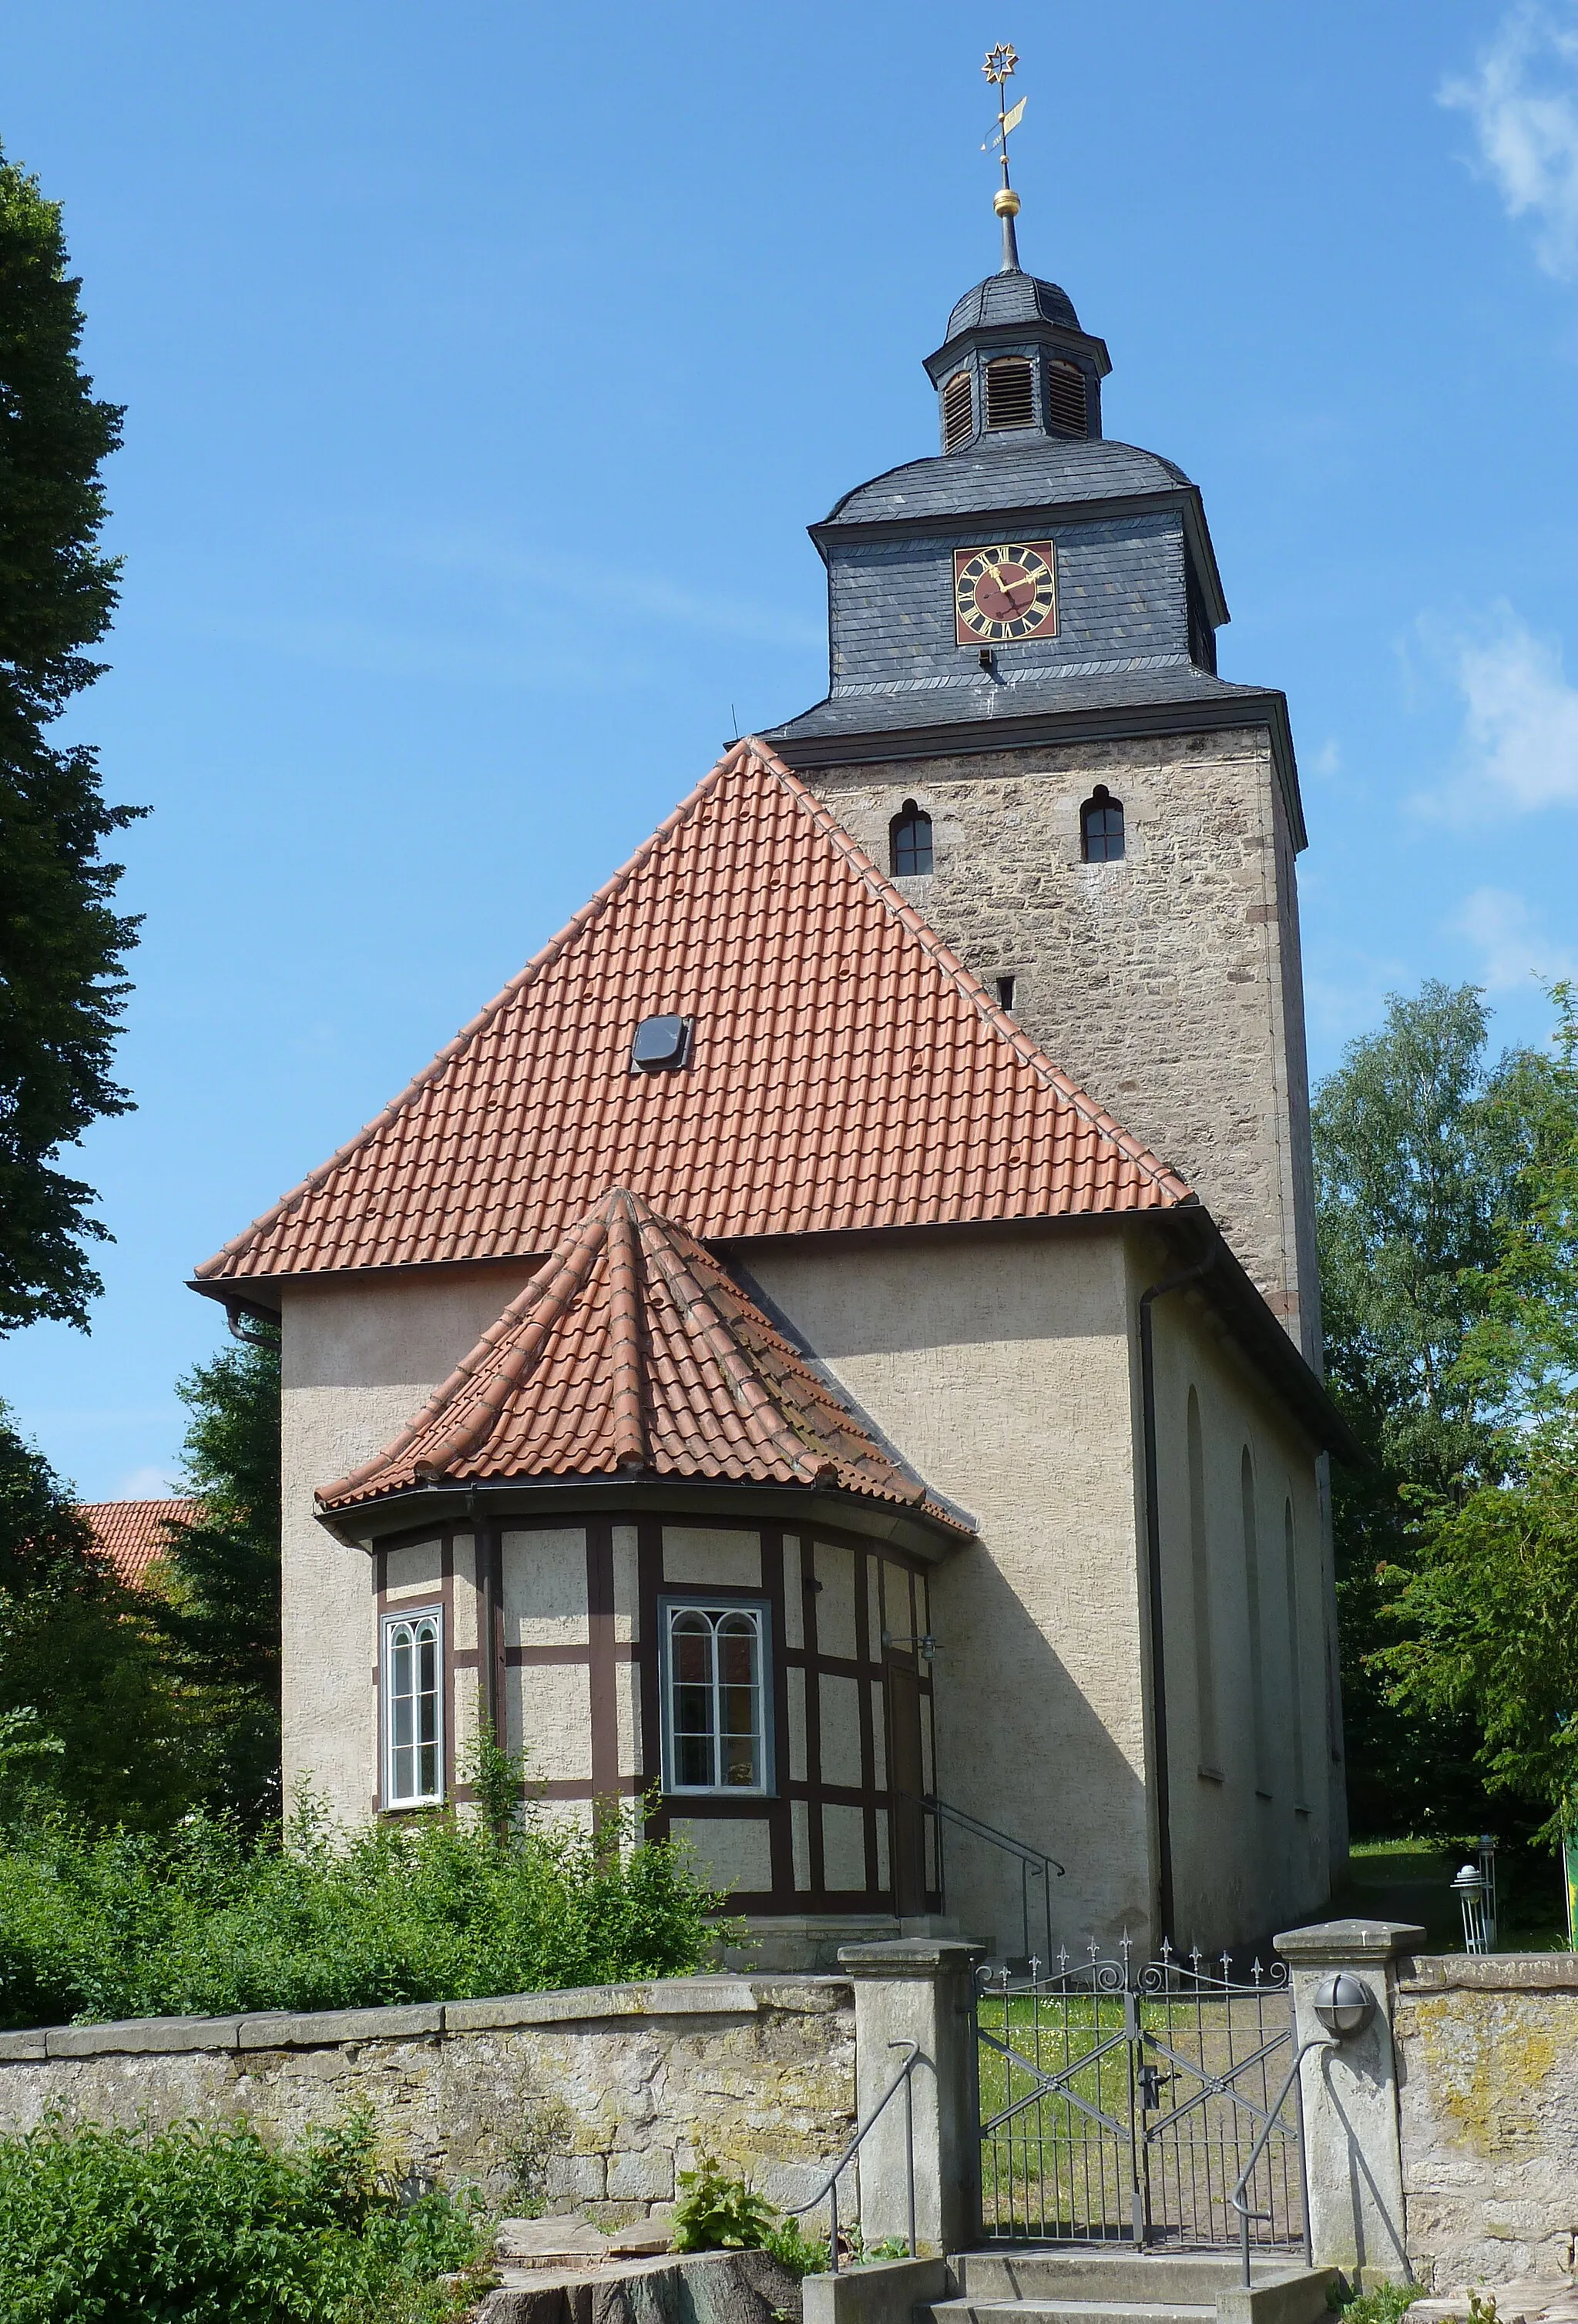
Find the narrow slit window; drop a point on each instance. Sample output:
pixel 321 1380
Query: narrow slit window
pixel 1253 1621
pixel 1067 404
pixel 413 1711
pixel 1005 992
pixel 1101 828
pixel 714 1700
pixel 958 411
pixel 909 842
pixel 1200 1585
pixel 1294 1649
pixel 1011 394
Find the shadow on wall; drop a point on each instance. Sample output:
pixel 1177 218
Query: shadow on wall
pixel 1026 1751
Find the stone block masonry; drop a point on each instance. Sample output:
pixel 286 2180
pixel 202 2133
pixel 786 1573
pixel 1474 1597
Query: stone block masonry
pixel 1488 2090
pixel 599 2096
pixel 1168 985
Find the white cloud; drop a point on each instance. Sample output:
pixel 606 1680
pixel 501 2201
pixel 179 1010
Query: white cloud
pixel 1328 759
pixel 1520 729
pixel 1522 98
pixel 1513 947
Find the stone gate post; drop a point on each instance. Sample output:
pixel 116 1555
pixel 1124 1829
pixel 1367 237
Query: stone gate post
pixel 1352 2141
pixel 918 1989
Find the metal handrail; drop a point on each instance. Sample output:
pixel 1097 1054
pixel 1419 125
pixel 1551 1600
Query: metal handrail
pixel 1030 1860
pixel 829 2187
pixel 1314 2041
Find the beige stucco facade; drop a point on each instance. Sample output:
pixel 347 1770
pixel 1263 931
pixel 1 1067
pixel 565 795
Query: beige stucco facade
pixel 1003 1367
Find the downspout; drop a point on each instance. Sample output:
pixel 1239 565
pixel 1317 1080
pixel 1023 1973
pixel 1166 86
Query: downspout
pixel 1158 1672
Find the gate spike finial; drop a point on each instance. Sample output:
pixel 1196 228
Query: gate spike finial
pixel 1035 1968
pixel 1226 1966
pixel 1257 1973
pixel 1063 1961
pixel 1196 1956
pixel 1167 1949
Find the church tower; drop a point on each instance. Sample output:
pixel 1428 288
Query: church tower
pixel 1025 725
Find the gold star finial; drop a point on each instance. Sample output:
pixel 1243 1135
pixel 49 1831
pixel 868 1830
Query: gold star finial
pixel 999 68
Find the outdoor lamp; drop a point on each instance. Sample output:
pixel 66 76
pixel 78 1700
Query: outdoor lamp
pixel 1343 2003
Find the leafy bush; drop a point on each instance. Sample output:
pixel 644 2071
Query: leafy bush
pixel 1387 2304
pixel 718 2213
pixel 130 1924
pixel 208 2223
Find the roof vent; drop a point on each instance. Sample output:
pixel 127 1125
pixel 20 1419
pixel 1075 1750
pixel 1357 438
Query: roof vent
pixel 1010 393
pixel 958 411
pixel 661 1045
pixel 1067 406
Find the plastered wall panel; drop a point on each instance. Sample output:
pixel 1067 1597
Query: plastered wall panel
pixel 840 1701
pixel 796 1681
pixel 835 1569
pixel 545 1588
pixel 729 1852
pixel 626 1587
pixel 697 1558
pixel 843 1847
pixel 550 1717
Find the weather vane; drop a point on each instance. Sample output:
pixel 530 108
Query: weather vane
pixel 999 71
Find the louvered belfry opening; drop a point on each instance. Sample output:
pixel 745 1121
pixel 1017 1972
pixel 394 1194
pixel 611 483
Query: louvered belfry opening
pixel 1067 406
pixel 1010 395
pixel 958 411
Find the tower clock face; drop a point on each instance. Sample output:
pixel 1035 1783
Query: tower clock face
pixel 1006 594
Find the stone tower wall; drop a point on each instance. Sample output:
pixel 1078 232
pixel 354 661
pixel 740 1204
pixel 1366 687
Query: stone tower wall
pixel 1168 984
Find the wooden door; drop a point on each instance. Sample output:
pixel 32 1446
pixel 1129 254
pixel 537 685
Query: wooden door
pixel 905 1783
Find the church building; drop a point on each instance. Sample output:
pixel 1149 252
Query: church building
pixel 833 1346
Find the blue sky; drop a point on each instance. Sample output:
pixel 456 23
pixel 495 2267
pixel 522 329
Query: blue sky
pixel 486 363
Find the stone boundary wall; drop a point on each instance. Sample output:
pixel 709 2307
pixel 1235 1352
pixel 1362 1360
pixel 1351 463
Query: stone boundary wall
pixel 602 2093
pixel 1487 2059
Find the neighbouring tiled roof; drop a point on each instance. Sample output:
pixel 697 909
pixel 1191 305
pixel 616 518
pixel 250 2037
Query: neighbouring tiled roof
pixel 133 1535
pixel 633 1353
pixel 847 1071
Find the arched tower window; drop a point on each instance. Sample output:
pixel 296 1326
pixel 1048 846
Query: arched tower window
pixel 909 842
pixel 1101 828
pixel 1011 396
pixel 958 411
pixel 1067 409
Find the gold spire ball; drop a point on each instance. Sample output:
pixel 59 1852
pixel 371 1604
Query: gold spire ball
pixel 999 71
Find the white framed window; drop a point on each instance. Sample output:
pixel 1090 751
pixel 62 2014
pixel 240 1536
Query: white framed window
pixel 413 1709
pixel 716 1726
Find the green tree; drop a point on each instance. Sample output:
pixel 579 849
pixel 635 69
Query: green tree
pixel 1488 1602
pixel 222 1619
pixel 62 945
pixel 90 1715
pixel 1420 1150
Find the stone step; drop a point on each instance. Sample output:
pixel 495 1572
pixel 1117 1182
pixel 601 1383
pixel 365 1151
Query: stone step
pixel 1189 2279
pixel 1048 2309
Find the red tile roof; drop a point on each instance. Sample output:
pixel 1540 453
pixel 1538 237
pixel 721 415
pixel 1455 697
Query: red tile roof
pixel 847 1070
pixel 133 1534
pixel 633 1352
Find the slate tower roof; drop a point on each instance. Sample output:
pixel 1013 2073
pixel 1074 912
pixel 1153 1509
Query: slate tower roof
pixel 1022 458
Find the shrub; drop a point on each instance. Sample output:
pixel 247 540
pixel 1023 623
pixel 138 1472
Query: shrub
pixel 209 2223
pixel 718 2213
pixel 203 1922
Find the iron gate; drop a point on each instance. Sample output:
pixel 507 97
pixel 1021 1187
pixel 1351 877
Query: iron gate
pixel 1156 2106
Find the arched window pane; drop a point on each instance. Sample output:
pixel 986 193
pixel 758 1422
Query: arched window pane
pixel 413 1666
pixel 1101 825
pixel 715 1698
pixel 909 842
